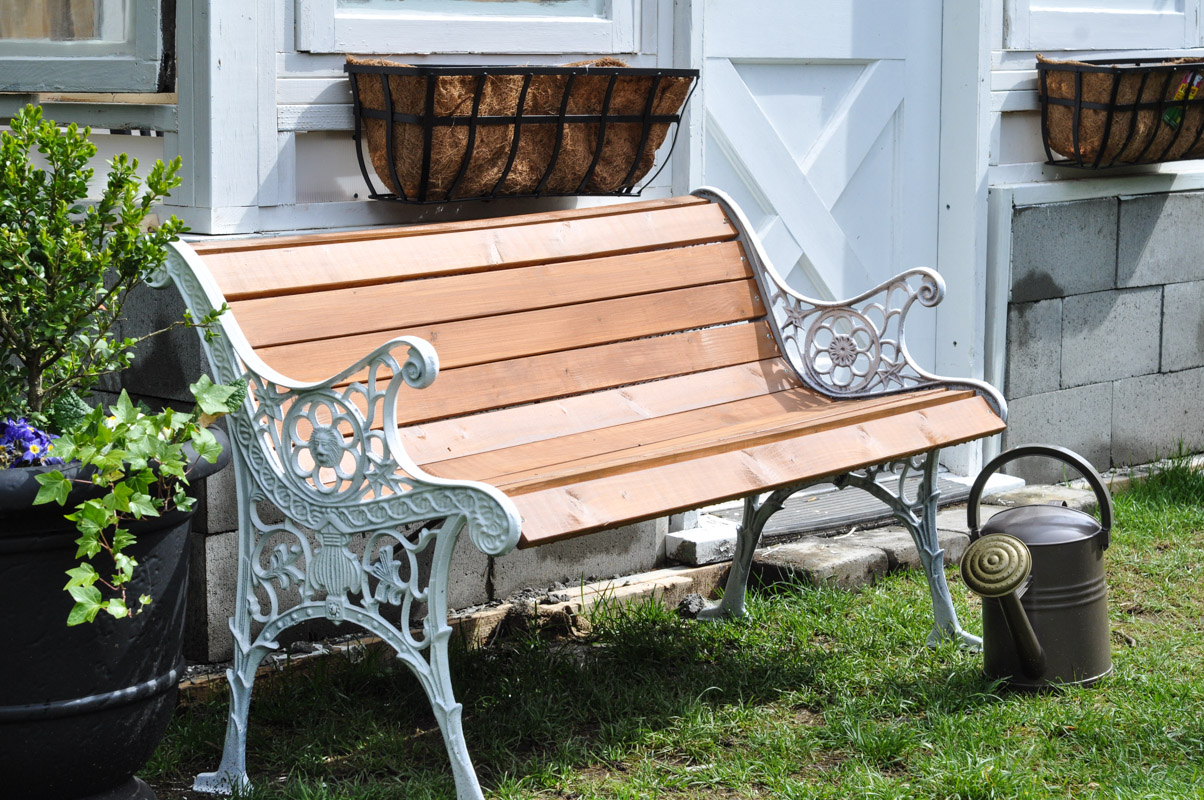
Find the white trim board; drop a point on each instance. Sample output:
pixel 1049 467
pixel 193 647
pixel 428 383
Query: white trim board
pixel 323 27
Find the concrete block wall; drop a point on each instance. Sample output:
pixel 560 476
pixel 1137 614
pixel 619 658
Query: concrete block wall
pixel 1105 330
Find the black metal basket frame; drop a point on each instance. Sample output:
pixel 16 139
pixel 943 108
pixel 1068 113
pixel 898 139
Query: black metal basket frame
pixel 429 122
pixel 1118 68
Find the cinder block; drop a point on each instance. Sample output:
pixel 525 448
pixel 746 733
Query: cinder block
pixel 686 520
pixel 817 561
pixel 1160 238
pixel 163 365
pixel 1153 414
pixel 712 540
pixel 467 575
pixel 212 580
pixel 622 551
pixel 1079 418
pixel 1060 249
pixel 1110 335
pixel 1034 348
pixel 1182 326
pixel 955 519
pixel 217 504
pixel 1057 494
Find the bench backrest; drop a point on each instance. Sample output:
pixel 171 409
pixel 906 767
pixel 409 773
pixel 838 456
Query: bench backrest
pixel 519 309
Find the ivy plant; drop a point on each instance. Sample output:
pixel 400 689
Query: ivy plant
pixel 141 463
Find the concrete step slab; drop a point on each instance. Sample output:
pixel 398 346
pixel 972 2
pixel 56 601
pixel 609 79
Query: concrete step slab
pixel 821 561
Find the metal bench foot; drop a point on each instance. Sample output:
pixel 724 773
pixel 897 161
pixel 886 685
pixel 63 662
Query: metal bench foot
pixel 918 515
pixel 231 774
pixel 756 514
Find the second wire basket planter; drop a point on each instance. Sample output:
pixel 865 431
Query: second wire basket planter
pixel 1097 114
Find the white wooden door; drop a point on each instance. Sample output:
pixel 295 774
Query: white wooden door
pixel 822 120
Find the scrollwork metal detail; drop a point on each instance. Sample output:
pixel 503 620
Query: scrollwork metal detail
pixel 855 347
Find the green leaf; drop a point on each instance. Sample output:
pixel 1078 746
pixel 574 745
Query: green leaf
pixel 211 397
pixel 88 541
pixel 54 488
pixel 143 505
pixel 125 568
pixel 237 396
pixel 93 515
pixel 206 445
pixel 116 608
pixel 68 412
pixel 122 539
pixel 82 575
pixel 124 409
pixel 88 604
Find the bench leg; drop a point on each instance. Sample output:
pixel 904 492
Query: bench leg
pixel 231 774
pixel 918 515
pixel 386 575
pixel 436 678
pixel 756 514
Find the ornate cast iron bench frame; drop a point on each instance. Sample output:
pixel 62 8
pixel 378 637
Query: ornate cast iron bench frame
pixel 329 455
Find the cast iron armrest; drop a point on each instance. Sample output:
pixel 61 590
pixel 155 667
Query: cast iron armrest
pixel 855 347
pixel 329 449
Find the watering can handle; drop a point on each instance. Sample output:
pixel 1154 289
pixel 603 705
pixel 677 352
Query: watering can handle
pixel 1068 457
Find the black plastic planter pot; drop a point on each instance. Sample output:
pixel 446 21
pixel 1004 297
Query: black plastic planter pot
pixel 83 708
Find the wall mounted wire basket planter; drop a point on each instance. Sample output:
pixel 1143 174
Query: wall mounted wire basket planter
pixel 1098 114
pixel 441 133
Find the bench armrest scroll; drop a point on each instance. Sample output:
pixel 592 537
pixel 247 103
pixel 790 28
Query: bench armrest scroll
pixel 855 347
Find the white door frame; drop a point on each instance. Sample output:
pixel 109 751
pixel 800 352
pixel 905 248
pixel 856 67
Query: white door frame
pixel 962 212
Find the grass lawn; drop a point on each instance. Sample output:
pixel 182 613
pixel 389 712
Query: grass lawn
pixel 818 693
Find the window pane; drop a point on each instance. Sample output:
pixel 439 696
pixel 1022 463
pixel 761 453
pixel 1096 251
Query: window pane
pixel 51 27
pixel 547 8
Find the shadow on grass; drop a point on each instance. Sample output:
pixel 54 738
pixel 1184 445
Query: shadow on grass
pixel 539 705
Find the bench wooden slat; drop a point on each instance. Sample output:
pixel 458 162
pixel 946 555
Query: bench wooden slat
pixel 507 383
pixel 307 268
pixel 440 440
pixel 345 312
pixel 562 512
pixel 510 336
pixel 679 438
pixel 233 245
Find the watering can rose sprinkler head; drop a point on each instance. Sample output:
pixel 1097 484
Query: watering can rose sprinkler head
pixel 998 566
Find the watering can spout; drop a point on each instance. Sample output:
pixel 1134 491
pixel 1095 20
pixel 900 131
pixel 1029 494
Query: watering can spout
pixel 998 566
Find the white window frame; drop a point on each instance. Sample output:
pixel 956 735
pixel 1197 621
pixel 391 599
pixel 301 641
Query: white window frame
pixel 136 69
pixel 1039 25
pixel 323 27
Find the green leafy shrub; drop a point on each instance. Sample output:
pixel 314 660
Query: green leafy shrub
pixel 66 269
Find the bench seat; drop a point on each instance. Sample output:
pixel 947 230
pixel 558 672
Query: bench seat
pixel 530 379
pixel 604 477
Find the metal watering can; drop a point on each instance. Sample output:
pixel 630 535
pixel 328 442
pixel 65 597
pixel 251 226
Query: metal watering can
pixel 1040 571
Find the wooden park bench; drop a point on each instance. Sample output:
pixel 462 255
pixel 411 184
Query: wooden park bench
pixel 532 378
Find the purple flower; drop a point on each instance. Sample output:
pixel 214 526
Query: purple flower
pixel 23 445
